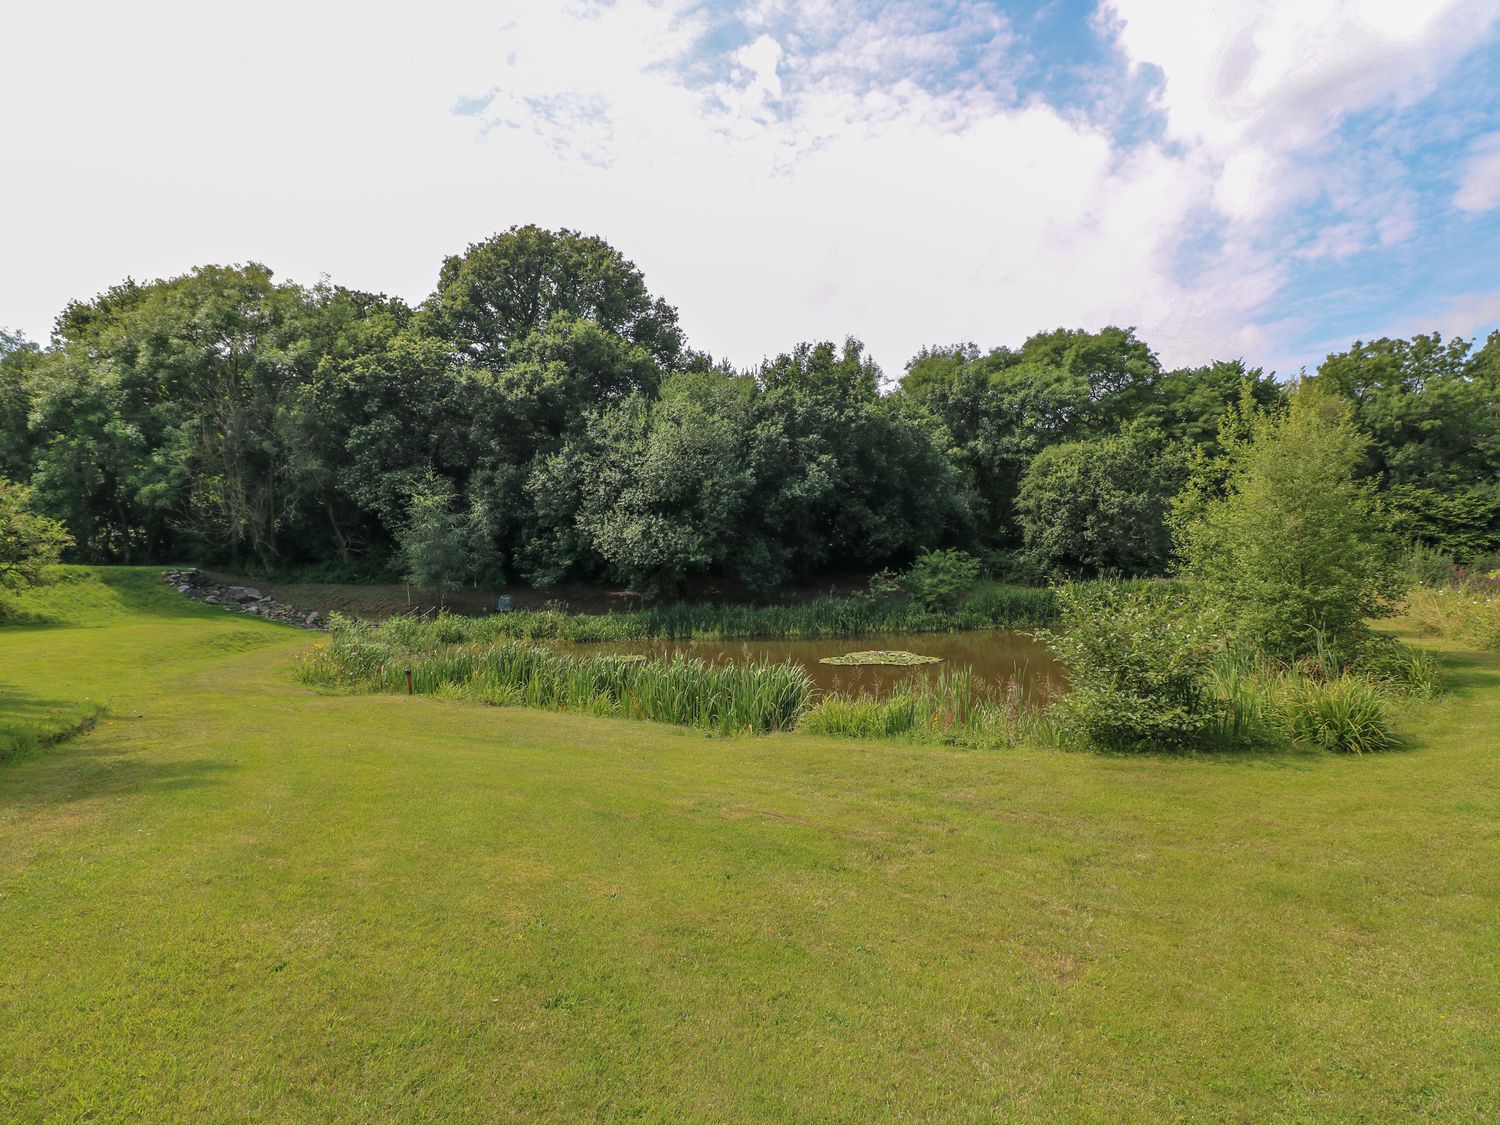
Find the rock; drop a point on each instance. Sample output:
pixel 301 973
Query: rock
pixel 184 589
pixel 243 594
pixel 213 599
pixel 313 620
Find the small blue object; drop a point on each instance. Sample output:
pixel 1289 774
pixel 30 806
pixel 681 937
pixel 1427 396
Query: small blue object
pixel 502 604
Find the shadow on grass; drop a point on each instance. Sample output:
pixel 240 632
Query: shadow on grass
pixel 1470 671
pixel 29 723
pixel 89 770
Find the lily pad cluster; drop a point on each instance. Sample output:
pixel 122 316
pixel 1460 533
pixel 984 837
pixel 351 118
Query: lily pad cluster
pixel 877 657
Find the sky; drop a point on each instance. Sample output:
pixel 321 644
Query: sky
pixel 1256 179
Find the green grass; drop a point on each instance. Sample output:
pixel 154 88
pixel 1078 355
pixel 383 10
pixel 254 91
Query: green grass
pixel 240 898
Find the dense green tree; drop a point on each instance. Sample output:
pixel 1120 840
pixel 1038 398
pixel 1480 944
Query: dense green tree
pixel 1102 505
pixel 19 358
pixel 227 415
pixel 668 498
pixel 495 294
pixel 1003 408
pixel 1191 404
pixel 1432 412
pixel 432 543
pixel 1291 547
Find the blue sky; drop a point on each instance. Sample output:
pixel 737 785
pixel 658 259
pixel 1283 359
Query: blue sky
pixel 1237 178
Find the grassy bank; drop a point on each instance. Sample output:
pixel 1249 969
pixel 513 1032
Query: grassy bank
pixel 240 898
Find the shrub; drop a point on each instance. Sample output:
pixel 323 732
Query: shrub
pixel 29 543
pixel 1140 665
pixel 1345 715
pixel 938 580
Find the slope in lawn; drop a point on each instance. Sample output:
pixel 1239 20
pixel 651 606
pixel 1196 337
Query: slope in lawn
pixel 238 898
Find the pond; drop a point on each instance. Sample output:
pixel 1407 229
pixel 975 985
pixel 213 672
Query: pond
pixel 998 658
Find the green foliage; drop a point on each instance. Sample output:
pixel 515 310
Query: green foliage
pixel 29 543
pixel 1101 505
pixel 939 580
pixel 730 698
pixel 1139 665
pixel 1401 668
pixel 1290 548
pixel 19 359
pixel 1345 715
pixel 227 416
pixel 432 546
pixel 1429 408
pixel 1461 521
pixel 499 291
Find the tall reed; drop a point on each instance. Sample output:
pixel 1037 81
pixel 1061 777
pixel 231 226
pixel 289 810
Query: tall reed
pixel 730 698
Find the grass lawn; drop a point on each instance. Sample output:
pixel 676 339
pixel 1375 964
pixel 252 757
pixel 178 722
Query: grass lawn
pixel 237 898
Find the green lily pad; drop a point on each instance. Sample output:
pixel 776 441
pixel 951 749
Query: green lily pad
pixel 880 657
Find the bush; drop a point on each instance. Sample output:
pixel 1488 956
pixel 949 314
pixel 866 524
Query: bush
pixel 940 579
pixel 29 543
pixel 1100 506
pixel 1345 715
pixel 1140 664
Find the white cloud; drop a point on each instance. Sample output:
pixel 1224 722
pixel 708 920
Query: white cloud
pixel 1479 190
pixel 822 179
pixel 1259 85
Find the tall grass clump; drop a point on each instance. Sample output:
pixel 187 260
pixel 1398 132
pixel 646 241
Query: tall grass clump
pixel 1346 715
pixel 953 708
pixel 1467 611
pixel 729 698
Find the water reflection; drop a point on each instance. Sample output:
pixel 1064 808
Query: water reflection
pixel 998 658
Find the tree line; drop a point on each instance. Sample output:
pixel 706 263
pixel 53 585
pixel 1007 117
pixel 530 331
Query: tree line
pixel 542 416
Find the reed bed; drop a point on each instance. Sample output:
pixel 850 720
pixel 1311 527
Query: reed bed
pixel 750 698
pixel 954 707
pixel 991 607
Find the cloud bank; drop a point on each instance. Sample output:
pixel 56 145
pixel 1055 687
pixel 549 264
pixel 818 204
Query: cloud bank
pixel 1242 178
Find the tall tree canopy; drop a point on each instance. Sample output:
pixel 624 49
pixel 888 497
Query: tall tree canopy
pixel 496 293
pixel 549 401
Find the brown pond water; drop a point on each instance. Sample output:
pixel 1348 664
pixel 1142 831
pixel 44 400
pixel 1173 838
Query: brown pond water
pixel 998 658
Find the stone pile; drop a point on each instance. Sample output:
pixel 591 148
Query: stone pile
pixel 241 599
